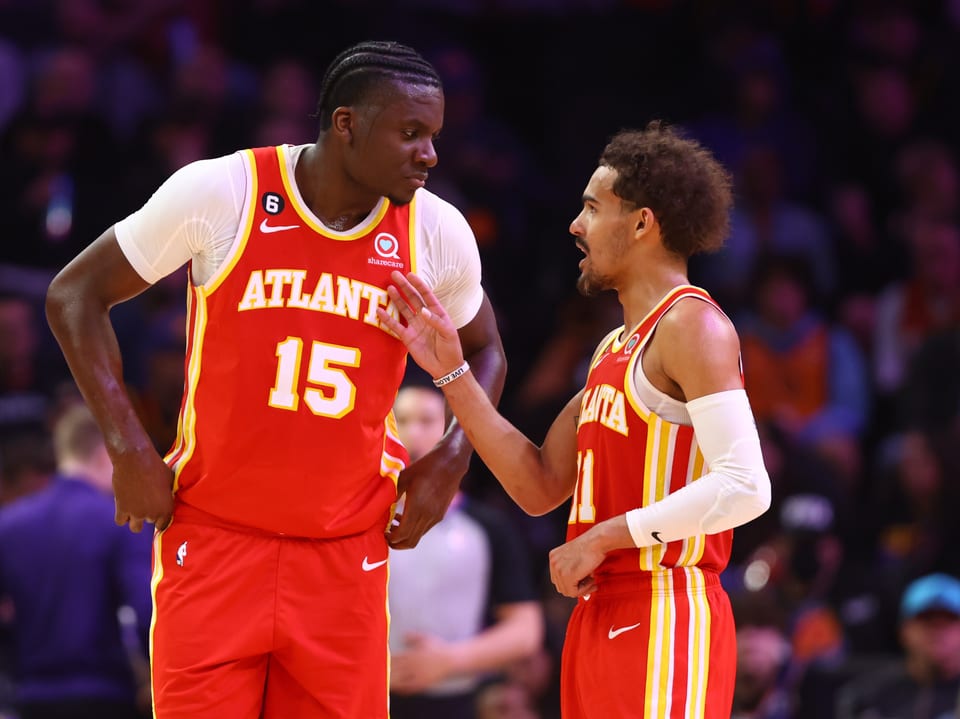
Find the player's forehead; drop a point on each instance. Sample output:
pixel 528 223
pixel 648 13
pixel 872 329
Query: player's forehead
pixel 406 102
pixel 600 186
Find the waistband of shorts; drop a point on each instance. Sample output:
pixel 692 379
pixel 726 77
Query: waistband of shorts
pixel 188 514
pixel 693 579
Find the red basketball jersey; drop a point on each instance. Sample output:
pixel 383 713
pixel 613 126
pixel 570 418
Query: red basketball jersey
pixel 286 423
pixel 629 457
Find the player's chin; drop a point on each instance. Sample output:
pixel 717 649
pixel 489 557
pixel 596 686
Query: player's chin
pixel 404 192
pixel 400 198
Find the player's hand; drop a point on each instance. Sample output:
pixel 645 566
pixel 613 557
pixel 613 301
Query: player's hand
pixel 430 484
pixel 572 565
pixel 429 334
pixel 142 489
pixel 424 661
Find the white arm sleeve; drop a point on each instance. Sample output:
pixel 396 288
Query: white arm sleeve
pixel 448 259
pixel 736 488
pixel 193 215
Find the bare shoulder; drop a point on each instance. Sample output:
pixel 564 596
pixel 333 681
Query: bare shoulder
pixel 699 349
pixel 694 320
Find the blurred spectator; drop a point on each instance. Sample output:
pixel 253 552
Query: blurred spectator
pixel 67 570
pixel 925 684
pixel 28 374
pixel 754 101
pixel 930 397
pixel 53 176
pixel 763 654
pixel 927 174
pixel 874 118
pixel 868 259
pixel 287 98
pixel 79 449
pixel 764 222
pixel 912 506
pixel 793 586
pixel 923 303
pixel 26 462
pixel 804 374
pixel 461 602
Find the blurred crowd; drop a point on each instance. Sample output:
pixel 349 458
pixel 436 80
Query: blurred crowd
pixel 839 122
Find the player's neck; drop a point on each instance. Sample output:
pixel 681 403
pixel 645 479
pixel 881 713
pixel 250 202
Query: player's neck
pixel 647 291
pixel 329 193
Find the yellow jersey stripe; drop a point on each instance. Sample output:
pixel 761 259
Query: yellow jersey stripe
pixel 188 419
pixel 246 224
pixel 413 232
pixel 154 583
pixel 698 655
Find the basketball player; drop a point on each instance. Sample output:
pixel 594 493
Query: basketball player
pixel 271 508
pixel 658 453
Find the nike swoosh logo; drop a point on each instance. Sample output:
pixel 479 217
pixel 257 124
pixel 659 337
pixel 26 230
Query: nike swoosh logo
pixel 614 633
pixel 370 566
pixel 267 229
pixel 656 535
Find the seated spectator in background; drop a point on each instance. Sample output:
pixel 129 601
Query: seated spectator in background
pixel 462 602
pixel 800 583
pixel 68 569
pixel 53 178
pixel 913 510
pixel 930 396
pixel 804 374
pixel 927 301
pixel 762 688
pixel 925 684
pixel 28 376
pixel 765 222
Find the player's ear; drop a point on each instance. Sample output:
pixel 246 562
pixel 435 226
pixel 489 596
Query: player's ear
pixel 644 218
pixel 342 123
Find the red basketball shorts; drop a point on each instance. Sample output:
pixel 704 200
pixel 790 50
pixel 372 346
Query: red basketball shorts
pixel 250 625
pixel 653 645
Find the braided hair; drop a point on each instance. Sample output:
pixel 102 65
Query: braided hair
pixel 358 68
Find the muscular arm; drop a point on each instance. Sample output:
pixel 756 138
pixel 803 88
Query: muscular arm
pixel 432 481
pixel 78 310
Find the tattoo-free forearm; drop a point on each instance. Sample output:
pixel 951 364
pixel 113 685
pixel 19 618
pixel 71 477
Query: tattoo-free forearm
pixel 89 345
pixel 517 463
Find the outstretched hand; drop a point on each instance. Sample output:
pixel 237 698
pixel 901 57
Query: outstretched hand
pixel 429 334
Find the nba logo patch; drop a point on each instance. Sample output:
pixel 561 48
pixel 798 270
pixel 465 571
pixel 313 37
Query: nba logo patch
pixel 631 344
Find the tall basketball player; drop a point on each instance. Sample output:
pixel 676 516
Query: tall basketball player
pixel 272 506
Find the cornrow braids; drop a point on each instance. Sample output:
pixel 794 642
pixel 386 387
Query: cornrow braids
pixel 355 70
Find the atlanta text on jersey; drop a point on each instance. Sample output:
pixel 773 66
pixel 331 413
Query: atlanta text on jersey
pixel 604 404
pixel 332 294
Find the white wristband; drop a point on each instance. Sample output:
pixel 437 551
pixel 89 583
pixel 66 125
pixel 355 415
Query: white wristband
pixel 447 378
